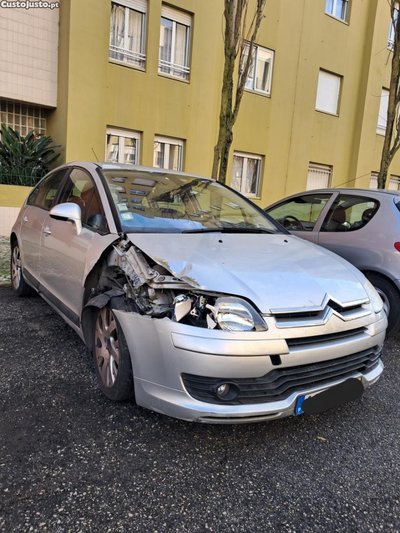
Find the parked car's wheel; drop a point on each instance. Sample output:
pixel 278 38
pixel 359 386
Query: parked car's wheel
pixel 18 283
pixel 111 356
pixel 391 300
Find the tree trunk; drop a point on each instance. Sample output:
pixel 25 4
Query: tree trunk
pixel 390 145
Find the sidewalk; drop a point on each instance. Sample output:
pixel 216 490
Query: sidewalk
pixel 4 261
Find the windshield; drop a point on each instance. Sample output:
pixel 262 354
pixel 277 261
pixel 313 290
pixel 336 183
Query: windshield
pixel 169 203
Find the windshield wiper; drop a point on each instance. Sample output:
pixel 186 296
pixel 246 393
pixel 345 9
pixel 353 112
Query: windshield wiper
pixel 229 230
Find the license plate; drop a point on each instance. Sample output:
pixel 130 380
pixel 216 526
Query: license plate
pixel 316 402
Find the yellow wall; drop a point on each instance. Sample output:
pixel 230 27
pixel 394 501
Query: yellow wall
pixel 13 195
pixel 285 128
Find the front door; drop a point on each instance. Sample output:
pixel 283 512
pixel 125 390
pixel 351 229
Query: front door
pixel 64 254
pixel 300 214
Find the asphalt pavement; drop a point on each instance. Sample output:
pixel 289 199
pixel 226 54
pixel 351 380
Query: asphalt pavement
pixel 71 460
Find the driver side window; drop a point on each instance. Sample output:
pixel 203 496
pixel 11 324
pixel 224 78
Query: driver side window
pixel 300 213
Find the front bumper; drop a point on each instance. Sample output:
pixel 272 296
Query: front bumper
pixel 163 350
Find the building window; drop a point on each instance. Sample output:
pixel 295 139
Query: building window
pixel 168 153
pixel 391 35
pixel 337 8
pixel 383 109
pixel 174 43
pixel 260 74
pixel 394 183
pixel 246 173
pixel 319 176
pixel 127 32
pixel 123 146
pixel 23 117
pixel 373 182
pixel 328 92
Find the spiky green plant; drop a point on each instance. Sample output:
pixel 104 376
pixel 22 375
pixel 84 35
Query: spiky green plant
pixel 25 160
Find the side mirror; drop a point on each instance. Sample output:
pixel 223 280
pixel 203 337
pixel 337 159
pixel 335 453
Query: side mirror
pixel 68 212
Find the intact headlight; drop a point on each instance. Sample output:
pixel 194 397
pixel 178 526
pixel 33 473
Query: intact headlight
pixel 375 299
pixel 234 314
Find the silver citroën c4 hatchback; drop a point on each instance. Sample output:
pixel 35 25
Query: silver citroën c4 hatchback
pixel 193 300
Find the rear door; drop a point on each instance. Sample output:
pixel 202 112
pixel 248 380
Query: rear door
pixel 345 231
pixel 302 214
pixel 64 254
pixel 39 203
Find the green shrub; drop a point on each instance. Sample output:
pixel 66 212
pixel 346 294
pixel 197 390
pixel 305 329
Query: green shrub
pixel 25 160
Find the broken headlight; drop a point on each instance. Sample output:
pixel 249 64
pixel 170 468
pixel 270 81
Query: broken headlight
pixel 235 314
pixel 225 312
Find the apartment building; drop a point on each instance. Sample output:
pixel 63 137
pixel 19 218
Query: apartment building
pixel 140 80
pixel 28 79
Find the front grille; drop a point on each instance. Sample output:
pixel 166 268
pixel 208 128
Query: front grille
pixel 316 339
pixel 294 315
pixel 281 383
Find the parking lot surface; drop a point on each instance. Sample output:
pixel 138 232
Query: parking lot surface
pixel 71 460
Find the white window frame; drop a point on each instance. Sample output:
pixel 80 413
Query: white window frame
pixel 168 141
pixel 141 7
pixel 382 112
pixel 334 5
pixel 255 63
pixel 185 19
pixel 246 156
pixel 391 29
pixel 321 169
pixel 320 109
pixel 373 181
pixel 123 134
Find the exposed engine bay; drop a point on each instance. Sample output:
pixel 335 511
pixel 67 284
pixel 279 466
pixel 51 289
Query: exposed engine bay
pixel 156 292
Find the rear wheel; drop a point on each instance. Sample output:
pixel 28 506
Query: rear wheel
pixel 111 356
pixel 391 301
pixel 18 283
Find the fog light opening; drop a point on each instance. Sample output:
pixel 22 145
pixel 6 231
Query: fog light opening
pixel 226 391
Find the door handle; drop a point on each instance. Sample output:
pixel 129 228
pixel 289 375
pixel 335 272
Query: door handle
pixel 25 220
pixel 47 230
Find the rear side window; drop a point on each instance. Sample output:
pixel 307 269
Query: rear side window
pixel 350 213
pixel 44 193
pixel 300 213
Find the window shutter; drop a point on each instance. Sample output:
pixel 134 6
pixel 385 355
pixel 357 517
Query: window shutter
pixel 373 182
pixel 328 92
pixel 137 5
pixel 394 183
pixel 383 108
pixel 318 177
pixel 178 16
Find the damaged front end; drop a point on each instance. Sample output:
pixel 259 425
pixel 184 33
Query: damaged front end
pixel 149 288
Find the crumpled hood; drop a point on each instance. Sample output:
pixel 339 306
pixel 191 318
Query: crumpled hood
pixel 272 271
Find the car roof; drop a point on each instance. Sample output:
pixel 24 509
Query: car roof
pixel 351 190
pixel 103 165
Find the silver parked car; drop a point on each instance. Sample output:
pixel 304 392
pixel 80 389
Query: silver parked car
pixel 361 225
pixel 192 299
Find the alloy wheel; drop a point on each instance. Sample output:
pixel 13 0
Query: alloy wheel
pixel 16 267
pixel 107 346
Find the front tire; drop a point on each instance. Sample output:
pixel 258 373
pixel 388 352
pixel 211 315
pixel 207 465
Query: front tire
pixel 391 301
pixel 18 283
pixel 111 356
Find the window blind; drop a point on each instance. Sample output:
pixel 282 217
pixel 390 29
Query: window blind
pixel 328 92
pixel 373 182
pixel 383 108
pixel 178 16
pixel 318 177
pixel 138 5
